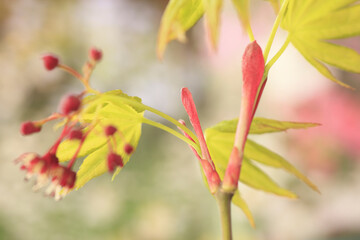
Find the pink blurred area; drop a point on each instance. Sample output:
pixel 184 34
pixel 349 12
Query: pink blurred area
pixel 338 112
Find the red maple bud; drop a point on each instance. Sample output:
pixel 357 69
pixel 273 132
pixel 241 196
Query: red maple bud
pixel 50 62
pixel 253 66
pixel 128 148
pixel 110 130
pixel 75 134
pixel 70 104
pixel 114 160
pixel 51 160
pixel 47 169
pixel 206 162
pixel 68 178
pixel 29 127
pixel 63 180
pixel 95 54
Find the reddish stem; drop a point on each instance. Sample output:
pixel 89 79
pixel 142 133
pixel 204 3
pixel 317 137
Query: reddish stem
pixel 212 176
pixel 71 163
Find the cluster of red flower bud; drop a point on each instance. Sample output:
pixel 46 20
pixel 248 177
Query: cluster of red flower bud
pixel 47 169
pixel 113 159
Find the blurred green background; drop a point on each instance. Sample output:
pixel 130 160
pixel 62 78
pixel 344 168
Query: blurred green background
pixel 160 194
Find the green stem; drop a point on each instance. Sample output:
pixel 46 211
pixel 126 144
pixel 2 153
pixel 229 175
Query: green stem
pixel 277 55
pixel 274 29
pixel 173 132
pixel 135 103
pixel 250 33
pixel 224 203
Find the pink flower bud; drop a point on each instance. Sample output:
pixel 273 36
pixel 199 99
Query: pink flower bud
pixel 68 178
pixel 75 134
pixel 128 148
pixel 50 62
pixel 110 130
pixel 70 104
pixel 28 128
pixel 114 160
pixel 95 54
pixel 252 66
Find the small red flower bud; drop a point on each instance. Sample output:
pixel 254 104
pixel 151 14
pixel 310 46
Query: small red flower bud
pixel 95 54
pixel 51 159
pixel 68 178
pixel 70 104
pixel 114 160
pixel 28 128
pixel 75 134
pixel 110 130
pixel 128 148
pixel 50 62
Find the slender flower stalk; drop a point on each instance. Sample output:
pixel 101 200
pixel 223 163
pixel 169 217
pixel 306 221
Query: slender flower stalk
pixel 46 168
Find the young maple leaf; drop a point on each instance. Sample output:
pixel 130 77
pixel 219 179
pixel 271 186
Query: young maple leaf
pixel 311 24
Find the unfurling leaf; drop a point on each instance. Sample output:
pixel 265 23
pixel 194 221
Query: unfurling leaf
pixel 104 109
pixel 220 146
pixel 262 125
pixel 212 16
pixel 179 16
pixel 312 24
pixel 242 8
pixel 275 4
pixel 220 140
pixel 240 202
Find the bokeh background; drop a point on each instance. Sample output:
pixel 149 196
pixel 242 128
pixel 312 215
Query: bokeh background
pixel 160 194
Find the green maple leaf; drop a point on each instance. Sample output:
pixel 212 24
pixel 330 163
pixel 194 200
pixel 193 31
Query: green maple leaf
pixel 104 109
pixel 312 24
pixel 179 16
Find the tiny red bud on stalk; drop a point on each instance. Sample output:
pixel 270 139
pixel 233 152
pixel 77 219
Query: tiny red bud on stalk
pixel 70 104
pixel 110 130
pixel 114 160
pixel 68 178
pixel 128 148
pixel 29 127
pixel 75 134
pixel 50 62
pixel 95 54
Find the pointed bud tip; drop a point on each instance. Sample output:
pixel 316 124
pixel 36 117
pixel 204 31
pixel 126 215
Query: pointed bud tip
pixel 253 65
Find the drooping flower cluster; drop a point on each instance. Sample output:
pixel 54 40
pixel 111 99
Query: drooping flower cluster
pixel 46 168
